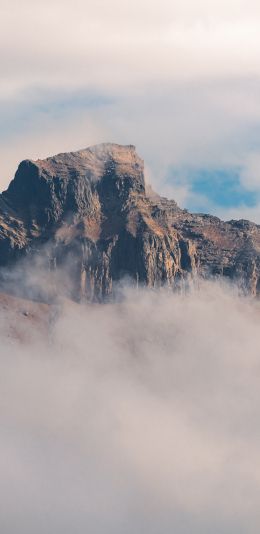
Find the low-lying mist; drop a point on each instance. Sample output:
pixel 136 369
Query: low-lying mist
pixel 137 417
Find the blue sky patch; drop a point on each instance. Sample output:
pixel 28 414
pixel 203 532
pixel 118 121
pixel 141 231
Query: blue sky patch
pixel 223 188
pixel 220 187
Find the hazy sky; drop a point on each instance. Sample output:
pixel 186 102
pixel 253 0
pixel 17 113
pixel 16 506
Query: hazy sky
pixel 179 79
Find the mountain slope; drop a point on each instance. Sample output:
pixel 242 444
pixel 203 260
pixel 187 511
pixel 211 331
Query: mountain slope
pixel 89 218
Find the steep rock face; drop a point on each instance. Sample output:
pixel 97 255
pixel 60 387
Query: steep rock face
pixel 89 218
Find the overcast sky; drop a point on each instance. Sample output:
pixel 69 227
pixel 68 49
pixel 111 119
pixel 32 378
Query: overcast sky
pixel 179 79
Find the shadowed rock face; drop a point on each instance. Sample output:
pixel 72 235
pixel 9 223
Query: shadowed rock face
pixel 88 216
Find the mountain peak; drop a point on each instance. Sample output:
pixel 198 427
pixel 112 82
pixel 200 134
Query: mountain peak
pixel 93 160
pixel 88 214
pixel 51 188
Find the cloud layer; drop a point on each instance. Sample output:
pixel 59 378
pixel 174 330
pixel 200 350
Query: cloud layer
pixel 118 44
pixel 142 416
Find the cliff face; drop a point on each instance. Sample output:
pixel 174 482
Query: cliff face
pixel 88 216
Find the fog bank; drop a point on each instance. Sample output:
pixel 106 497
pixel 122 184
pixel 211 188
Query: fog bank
pixel 141 416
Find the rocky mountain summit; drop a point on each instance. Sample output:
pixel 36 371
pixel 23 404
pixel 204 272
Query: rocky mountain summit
pixel 84 220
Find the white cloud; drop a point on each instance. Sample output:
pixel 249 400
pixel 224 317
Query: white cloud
pixel 135 421
pixel 241 212
pixel 116 44
pixel 250 175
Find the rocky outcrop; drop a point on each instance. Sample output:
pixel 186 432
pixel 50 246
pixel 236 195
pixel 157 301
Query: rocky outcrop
pixel 80 222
